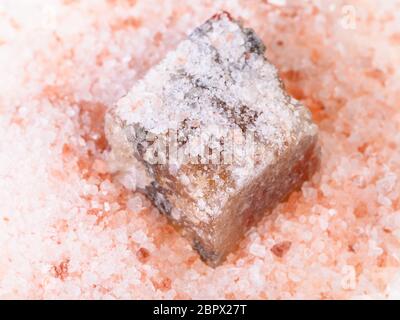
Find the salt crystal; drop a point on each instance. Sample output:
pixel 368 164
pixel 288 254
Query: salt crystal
pixel 135 203
pixel 374 249
pixel 394 288
pixel 323 223
pixel 332 212
pixel 294 277
pixel 310 193
pixel 387 183
pixel 257 250
pixel 322 258
pixel 307 236
pixel 106 187
pixel 128 180
pixel 256 276
pixel 185 179
pixel 216 86
pixel 278 2
pixel 139 236
pixel 95 204
pixel 348 281
pixel 201 204
pixel 312 219
pixel 385 201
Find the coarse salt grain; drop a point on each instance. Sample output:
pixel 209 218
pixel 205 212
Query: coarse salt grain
pixel 135 203
pixel 128 180
pixel 348 281
pixel 139 236
pixel 257 250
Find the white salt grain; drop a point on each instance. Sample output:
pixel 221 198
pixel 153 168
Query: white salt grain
pixel 139 237
pixel 257 250
pixel 348 281
pixel 135 203
pixel 128 180
pixel 278 2
pixel 323 223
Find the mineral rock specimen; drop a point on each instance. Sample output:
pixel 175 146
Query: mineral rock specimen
pixel 219 139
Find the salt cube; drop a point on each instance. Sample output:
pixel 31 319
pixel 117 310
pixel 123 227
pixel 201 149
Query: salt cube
pixel 219 140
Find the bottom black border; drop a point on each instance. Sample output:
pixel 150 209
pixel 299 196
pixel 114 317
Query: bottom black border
pixel 202 309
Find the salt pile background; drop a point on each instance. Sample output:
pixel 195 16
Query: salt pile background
pixel 70 229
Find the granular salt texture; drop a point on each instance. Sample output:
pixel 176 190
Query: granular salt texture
pixel 215 93
pixel 63 63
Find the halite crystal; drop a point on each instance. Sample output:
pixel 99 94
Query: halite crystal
pixel 219 139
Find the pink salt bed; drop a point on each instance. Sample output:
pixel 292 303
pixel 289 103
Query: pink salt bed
pixel 72 228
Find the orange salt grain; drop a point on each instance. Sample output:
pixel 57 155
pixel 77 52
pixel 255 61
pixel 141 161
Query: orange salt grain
pixel 376 74
pixel 281 248
pixel 191 260
pixel 67 150
pixel 182 296
pixel 317 109
pixel 61 270
pixel 143 254
pixel 131 22
pixel 315 56
pixel 230 296
pixel 292 75
pixel 362 147
pixel 163 285
pixel 166 284
pixel 158 37
pixel 361 210
pixel 395 38
pixel 100 166
pixel 295 91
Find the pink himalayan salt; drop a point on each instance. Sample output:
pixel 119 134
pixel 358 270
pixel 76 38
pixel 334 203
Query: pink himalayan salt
pixel 93 53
